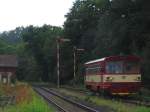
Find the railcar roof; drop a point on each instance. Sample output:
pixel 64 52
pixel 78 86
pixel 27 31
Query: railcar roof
pixel 111 57
pixel 97 60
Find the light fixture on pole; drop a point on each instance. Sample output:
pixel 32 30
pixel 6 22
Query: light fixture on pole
pixel 58 41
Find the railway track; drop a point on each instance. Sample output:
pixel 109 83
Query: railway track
pixel 63 104
pixel 124 100
pixel 76 89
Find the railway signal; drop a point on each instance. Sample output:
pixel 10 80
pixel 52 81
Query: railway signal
pixel 58 41
pixel 75 49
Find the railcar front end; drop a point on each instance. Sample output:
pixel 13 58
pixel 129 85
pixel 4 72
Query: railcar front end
pixel 117 75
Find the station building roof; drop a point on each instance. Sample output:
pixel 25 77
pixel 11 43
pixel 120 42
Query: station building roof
pixel 8 61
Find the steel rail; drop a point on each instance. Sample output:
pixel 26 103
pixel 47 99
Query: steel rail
pixel 89 109
pixel 76 89
pixel 50 101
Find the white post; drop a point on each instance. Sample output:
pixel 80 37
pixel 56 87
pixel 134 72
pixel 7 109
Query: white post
pixel 9 77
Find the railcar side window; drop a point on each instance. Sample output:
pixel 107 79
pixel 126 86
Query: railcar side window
pixel 114 67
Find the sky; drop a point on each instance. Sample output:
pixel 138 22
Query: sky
pixel 14 13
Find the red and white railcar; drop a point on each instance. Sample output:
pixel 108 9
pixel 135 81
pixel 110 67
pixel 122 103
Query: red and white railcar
pixel 117 75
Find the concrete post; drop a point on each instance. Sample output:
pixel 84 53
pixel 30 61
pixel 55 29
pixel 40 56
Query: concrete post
pixel 9 77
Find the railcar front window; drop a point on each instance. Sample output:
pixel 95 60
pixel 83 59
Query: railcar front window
pixel 114 67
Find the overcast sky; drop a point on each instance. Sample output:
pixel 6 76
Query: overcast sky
pixel 14 13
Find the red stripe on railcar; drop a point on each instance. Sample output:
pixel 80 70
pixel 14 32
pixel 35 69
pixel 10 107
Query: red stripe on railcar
pixel 120 87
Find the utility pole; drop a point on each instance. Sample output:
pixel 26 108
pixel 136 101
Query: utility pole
pixel 58 41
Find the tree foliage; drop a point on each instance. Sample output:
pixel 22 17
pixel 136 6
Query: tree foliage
pixel 36 50
pixel 41 43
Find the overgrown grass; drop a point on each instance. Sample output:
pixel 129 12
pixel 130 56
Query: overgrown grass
pixel 30 102
pixel 118 106
pixel 37 104
pixel 114 105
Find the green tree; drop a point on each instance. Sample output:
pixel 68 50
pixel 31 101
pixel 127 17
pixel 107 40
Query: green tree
pixel 41 42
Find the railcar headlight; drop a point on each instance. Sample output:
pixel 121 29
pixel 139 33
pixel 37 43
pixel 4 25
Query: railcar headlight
pixel 109 78
pixel 138 78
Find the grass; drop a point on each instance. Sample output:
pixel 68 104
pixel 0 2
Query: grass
pixel 28 101
pixel 115 106
pixel 36 105
pixel 118 106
